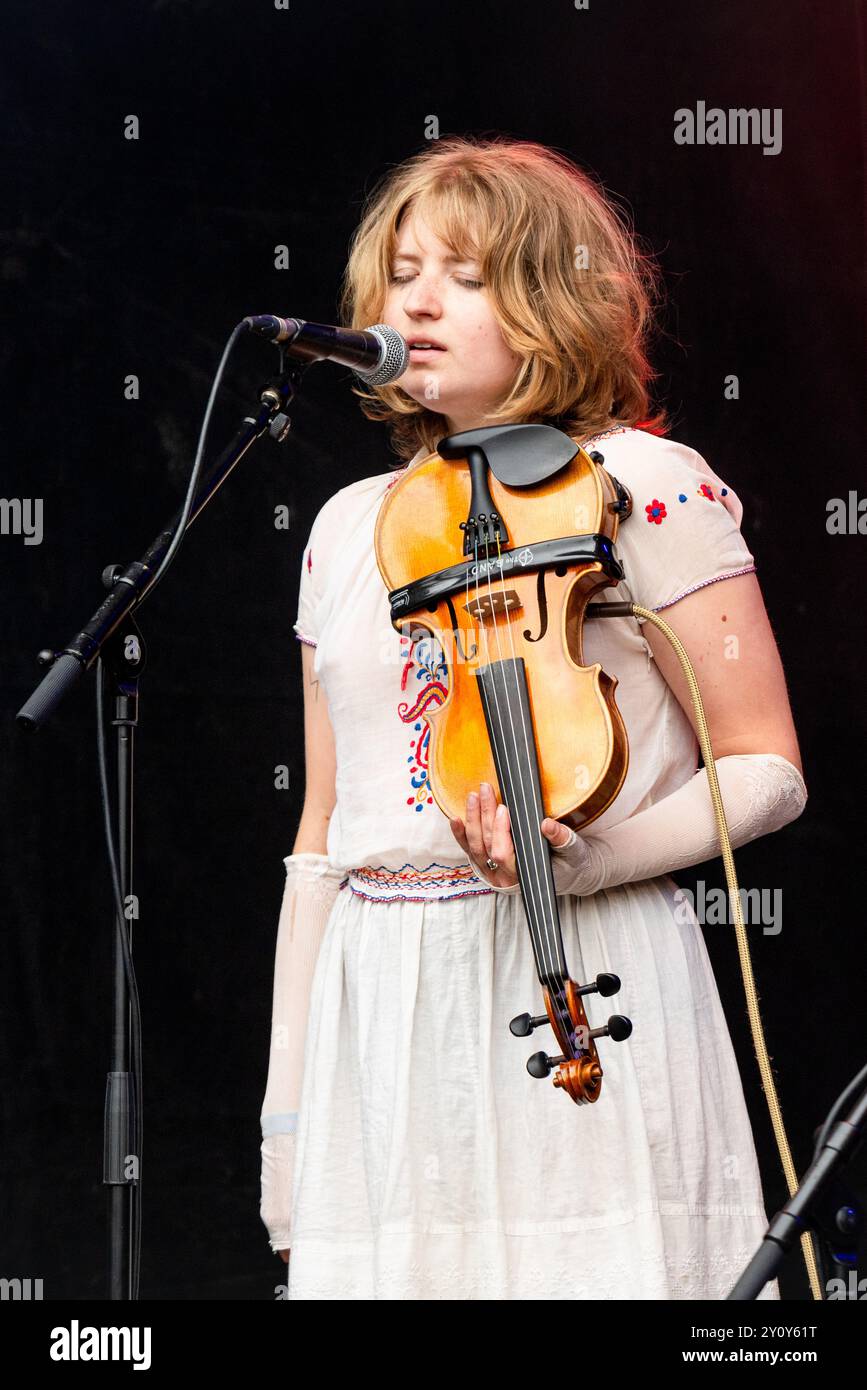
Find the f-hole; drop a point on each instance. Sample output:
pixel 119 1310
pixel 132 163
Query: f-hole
pixel 542 604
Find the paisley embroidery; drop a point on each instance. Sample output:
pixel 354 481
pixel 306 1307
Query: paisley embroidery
pixel 432 670
pixel 656 512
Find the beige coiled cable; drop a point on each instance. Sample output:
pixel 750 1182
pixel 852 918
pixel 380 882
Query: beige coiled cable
pixel 768 1084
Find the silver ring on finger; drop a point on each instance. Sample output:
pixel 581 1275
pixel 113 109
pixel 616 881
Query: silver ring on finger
pixel 491 863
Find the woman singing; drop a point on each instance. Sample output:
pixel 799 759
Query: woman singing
pixel 406 1152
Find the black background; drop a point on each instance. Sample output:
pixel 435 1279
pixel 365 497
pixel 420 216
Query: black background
pixel 261 127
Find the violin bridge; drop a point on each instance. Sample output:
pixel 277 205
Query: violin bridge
pixel 493 605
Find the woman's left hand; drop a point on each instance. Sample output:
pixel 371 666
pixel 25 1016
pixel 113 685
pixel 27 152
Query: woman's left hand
pixel 487 834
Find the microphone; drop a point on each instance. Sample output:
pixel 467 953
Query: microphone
pixel 377 355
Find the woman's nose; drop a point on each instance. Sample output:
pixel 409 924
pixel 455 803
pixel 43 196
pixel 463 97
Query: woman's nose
pixel 422 297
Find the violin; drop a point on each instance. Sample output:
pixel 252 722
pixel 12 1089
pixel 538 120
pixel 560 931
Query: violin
pixel 493 546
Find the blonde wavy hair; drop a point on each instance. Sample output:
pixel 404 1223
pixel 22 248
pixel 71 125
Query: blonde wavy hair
pixel 534 219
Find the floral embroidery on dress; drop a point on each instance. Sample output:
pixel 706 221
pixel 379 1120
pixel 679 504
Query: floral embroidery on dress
pixel 432 670
pixel 706 491
pixel 656 511
pixel 412 884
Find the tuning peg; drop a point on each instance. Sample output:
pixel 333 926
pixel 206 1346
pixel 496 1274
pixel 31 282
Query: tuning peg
pixel 618 1028
pixel 607 984
pixel 540 1064
pixel 604 984
pixel 524 1024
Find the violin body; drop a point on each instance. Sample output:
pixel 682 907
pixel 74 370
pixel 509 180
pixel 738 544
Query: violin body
pixel 493 547
pixel 580 737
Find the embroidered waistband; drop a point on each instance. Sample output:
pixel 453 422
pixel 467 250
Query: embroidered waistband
pixel 415 885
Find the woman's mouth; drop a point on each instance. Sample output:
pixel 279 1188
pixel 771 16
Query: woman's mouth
pixel 422 347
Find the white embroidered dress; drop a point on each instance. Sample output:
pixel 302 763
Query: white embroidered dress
pixel 429 1164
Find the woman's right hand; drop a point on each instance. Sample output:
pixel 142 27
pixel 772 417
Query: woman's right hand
pixel 284 1254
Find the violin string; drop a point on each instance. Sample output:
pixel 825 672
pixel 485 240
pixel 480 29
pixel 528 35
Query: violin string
pixel 530 860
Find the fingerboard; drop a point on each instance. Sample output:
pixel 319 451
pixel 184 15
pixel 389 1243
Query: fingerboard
pixel 503 691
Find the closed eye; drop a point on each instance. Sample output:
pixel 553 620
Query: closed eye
pixel 467 283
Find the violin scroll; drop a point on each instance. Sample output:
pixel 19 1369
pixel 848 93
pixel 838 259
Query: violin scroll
pixel 579 1071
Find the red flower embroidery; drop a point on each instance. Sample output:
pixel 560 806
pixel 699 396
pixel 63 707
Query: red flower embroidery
pixel 656 511
pixel 706 492
pixel 309 560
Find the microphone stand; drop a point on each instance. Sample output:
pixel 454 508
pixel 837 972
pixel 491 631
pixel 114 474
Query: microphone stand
pixel 803 1210
pixel 113 633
